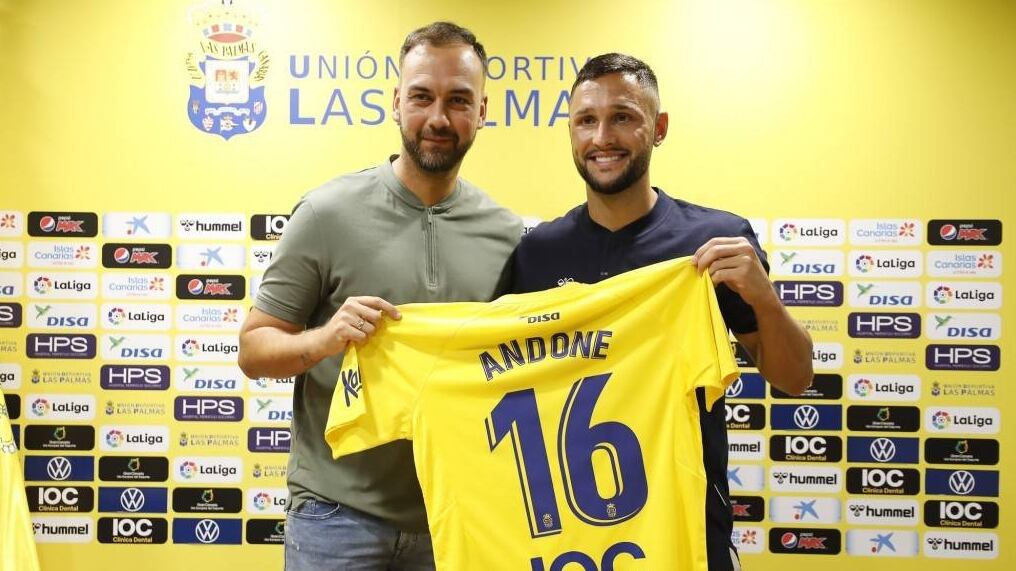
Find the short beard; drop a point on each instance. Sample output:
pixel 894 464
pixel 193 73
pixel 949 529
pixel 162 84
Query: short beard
pixel 437 161
pixel 637 167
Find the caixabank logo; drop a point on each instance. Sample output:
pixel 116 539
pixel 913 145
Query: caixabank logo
pixel 804 541
pixel 961 514
pixel 799 448
pixel 966 451
pixel 208 408
pixel 207 531
pixel 62 437
pixel 60 499
pixel 900 513
pixel 268 439
pixel 134 377
pixel 214 257
pixel 220 287
pixel 810 479
pixel 824 386
pixel 745 478
pixel 884 325
pixel 137 225
pixel 268 226
pixel 806 417
pixel 959 545
pixel 748 508
pixel 885 263
pixel 63 224
pixel 899 388
pixel 863 418
pixel 133 500
pixel 983 483
pixel 133 530
pixel 209 378
pixel 135 286
pixel 962 357
pixel 804 510
pixel 883 481
pixel 69 255
pixel 133 468
pixel 227 70
pixel 810 293
pixel 138 256
pixel 964 232
pixel 882 542
pixel 883 450
pixel 60 468
pixel 207 500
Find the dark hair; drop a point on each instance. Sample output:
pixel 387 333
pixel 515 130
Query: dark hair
pixel 606 64
pixel 440 34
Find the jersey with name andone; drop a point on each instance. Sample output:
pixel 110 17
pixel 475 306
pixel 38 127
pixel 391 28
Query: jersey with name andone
pixel 554 430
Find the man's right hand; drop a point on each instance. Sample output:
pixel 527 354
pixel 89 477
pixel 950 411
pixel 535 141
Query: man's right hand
pixel 355 321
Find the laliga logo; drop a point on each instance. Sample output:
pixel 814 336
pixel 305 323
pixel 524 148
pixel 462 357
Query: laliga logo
pixel 187 469
pixel 116 316
pixel 788 232
pixel 862 387
pixel 114 438
pixel 40 407
pixel 190 347
pixel 864 263
pixel 262 501
pixel 941 420
pixel 42 285
pixel 227 73
pixel 943 294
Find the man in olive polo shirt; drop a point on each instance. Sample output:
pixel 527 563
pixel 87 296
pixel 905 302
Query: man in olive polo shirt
pixel 408 230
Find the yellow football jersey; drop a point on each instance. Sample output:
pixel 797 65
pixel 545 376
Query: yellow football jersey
pixel 552 431
pixel 17 540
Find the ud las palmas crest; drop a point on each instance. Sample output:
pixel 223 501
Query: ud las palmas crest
pixel 227 92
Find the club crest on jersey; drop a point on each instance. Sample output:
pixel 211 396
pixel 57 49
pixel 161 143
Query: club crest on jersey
pixel 227 72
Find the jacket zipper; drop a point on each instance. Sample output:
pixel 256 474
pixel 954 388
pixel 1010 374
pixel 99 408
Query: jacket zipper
pixel 431 249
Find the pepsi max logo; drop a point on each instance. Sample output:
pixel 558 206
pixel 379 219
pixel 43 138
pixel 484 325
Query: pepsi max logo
pixel 137 256
pixel 804 541
pixel 964 232
pixel 189 286
pixel 56 224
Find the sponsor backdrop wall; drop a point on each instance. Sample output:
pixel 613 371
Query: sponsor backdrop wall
pixel 151 152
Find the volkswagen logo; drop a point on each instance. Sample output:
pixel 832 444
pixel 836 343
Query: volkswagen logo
pixel 882 450
pixel 132 500
pixel 59 468
pixel 735 388
pixel 961 482
pixel 806 417
pixel 207 531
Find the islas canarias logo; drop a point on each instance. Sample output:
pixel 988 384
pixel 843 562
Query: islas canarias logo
pixel 227 71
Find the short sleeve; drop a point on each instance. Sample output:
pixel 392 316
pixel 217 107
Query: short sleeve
pixel 380 384
pixel 292 285
pixel 708 360
pixel 738 315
